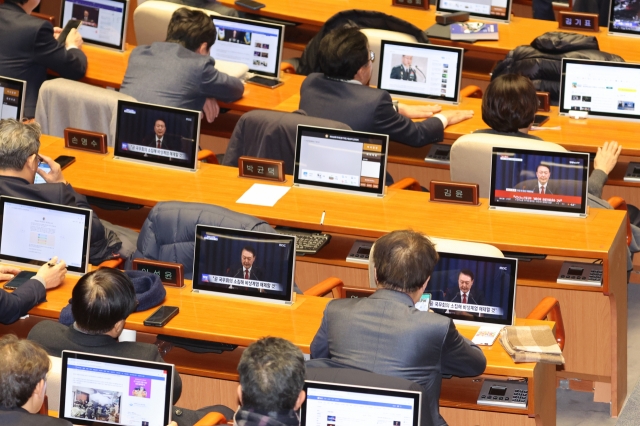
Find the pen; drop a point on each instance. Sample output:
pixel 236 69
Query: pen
pixel 322 218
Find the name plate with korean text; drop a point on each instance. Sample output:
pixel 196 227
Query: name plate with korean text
pixel 85 140
pixel 578 21
pixel 454 192
pixel 171 274
pixel 261 168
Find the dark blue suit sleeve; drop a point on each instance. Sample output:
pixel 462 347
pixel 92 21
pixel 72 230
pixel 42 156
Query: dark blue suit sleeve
pixel 320 344
pixel 16 304
pixel 48 52
pixel 460 357
pixel 218 85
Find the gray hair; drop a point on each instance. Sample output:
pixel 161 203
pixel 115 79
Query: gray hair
pixel 272 374
pixel 18 141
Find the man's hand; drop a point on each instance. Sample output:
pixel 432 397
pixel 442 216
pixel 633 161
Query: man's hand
pixel 56 32
pixel 418 111
pixel 455 116
pixel 54 275
pixel 607 157
pixel 8 272
pixel 55 175
pixel 211 109
pixel 74 39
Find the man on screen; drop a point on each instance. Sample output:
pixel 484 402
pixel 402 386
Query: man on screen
pixel 464 294
pixel 542 185
pixel 404 70
pixel 247 270
pixel 160 139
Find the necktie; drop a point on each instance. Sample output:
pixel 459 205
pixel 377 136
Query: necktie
pixel 246 274
pixel 542 189
pixel 158 143
pixel 464 298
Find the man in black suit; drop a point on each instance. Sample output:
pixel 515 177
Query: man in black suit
pixel 404 70
pixel 247 270
pixel 464 294
pixel 542 185
pixel 160 139
pixel 29 47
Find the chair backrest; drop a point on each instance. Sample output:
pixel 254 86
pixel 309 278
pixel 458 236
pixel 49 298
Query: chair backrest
pixel 65 103
pixel 151 20
pixel 471 156
pixel 375 37
pixel 272 135
pixel 53 383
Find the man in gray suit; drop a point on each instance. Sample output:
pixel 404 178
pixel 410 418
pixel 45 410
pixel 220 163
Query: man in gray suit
pixel 386 334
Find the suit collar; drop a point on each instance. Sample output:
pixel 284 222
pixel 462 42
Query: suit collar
pixel 13 7
pixel 93 340
pixel 396 296
pixel 14 178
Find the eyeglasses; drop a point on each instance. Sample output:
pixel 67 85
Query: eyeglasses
pixel 372 56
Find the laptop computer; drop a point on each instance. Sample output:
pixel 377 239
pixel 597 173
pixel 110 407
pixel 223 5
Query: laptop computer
pixel 32 232
pixel 99 389
pixel 104 22
pixel 489 10
pixel 13 93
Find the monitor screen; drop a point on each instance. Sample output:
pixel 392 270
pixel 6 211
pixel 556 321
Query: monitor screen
pixel 247 264
pixel 498 10
pixel 341 160
pixel 518 177
pixel 256 44
pixel 158 135
pixel 624 17
pixel 474 289
pixel 606 89
pixel 104 22
pixel 349 405
pixel 13 94
pixel 420 71
pixel 98 389
pixel 33 232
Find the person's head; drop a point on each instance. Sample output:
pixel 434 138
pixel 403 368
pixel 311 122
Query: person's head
pixel 543 173
pixel 509 104
pixel 235 33
pixel 192 29
pixel 465 280
pixel 160 128
pixel 344 53
pixel 407 60
pixel 248 256
pixel 19 145
pixel 23 373
pixel 27 5
pixel 86 14
pixel 102 300
pixel 272 374
pixel 404 261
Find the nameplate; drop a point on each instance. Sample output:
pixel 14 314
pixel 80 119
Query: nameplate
pixel 418 4
pixel 454 192
pixel 543 101
pixel 85 140
pixel 578 21
pixel 261 168
pixel 171 274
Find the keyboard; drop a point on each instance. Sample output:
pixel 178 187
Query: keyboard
pixel 306 242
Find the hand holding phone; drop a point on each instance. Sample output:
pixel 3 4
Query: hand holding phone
pixel 55 173
pixel 423 303
pixel 71 24
pixel 8 272
pixel 19 279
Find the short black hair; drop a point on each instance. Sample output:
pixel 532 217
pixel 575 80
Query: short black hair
pixel 16 1
pixel 24 364
pixel 191 28
pixel 466 272
pixel 272 374
pixel 509 103
pixel 250 250
pixel 543 165
pixel 404 260
pixel 343 52
pixel 101 298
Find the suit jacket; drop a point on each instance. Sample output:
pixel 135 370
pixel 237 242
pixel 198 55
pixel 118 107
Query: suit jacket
pixel 398 73
pixel 18 416
pixel 256 273
pixel 28 49
pixel 474 298
pixel 172 75
pixel 55 338
pixel 553 187
pixel 171 142
pixel 365 109
pixel 16 304
pixel 386 334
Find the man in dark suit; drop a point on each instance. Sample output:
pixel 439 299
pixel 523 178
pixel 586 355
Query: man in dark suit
pixel 161 139
pixel 341 93
pixel 404 70
pixel 29 47
pixel 543 184
pixel 464 294
pixel 386 334
pixel 246 270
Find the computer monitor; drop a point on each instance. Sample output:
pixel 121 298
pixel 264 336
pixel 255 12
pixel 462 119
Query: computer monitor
pixel 603 89
pixel 623 18
pixel 244 264
pixel 421 71
pixel 32 232
pixel 99 389
pixel 104 22
pixel 518 174
pixel 474 290
pixel 158 135
pixel 492 10
pixel 13 93
pixel 256 44
pixel 350 405
pixel 341 160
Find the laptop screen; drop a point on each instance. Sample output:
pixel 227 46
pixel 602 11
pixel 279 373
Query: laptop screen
pixel 256 44
pixel 98 389
pixel 33 232
pixel 341 160
pixel 474 289
pixel 606 89
pixel 623 18
pixel 104 22
pixel 347 405
pixel 157 134
pixel 247 264
pixel 496 10
pixel 518 177
pixel 13 93
pixel 420 71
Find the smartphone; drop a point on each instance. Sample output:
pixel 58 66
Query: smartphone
pixel 65 160
pixel 19 279
pixel 73 23
pixel 162 316
pixel 45 168
pixel 250 4
pixel 539 120
pixel 423 303
pixel 266 82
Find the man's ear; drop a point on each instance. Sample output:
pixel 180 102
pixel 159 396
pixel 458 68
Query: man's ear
pixel 301 396
pixel 240 394
pixel 203 49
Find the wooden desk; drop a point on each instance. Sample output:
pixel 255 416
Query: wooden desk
pixel 106 68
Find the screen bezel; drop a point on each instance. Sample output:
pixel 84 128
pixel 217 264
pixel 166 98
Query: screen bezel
pixel 538 208
pixel 118 153
pixel 409 394
pixel 418 96
pixel 287 297
pixel 23 93
pixel 123 31
pixel 66 355
pixel 511 314
pixel 566 61
pixel 278 27
pixel 297 181
pixel 507 18
pixel 87 213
